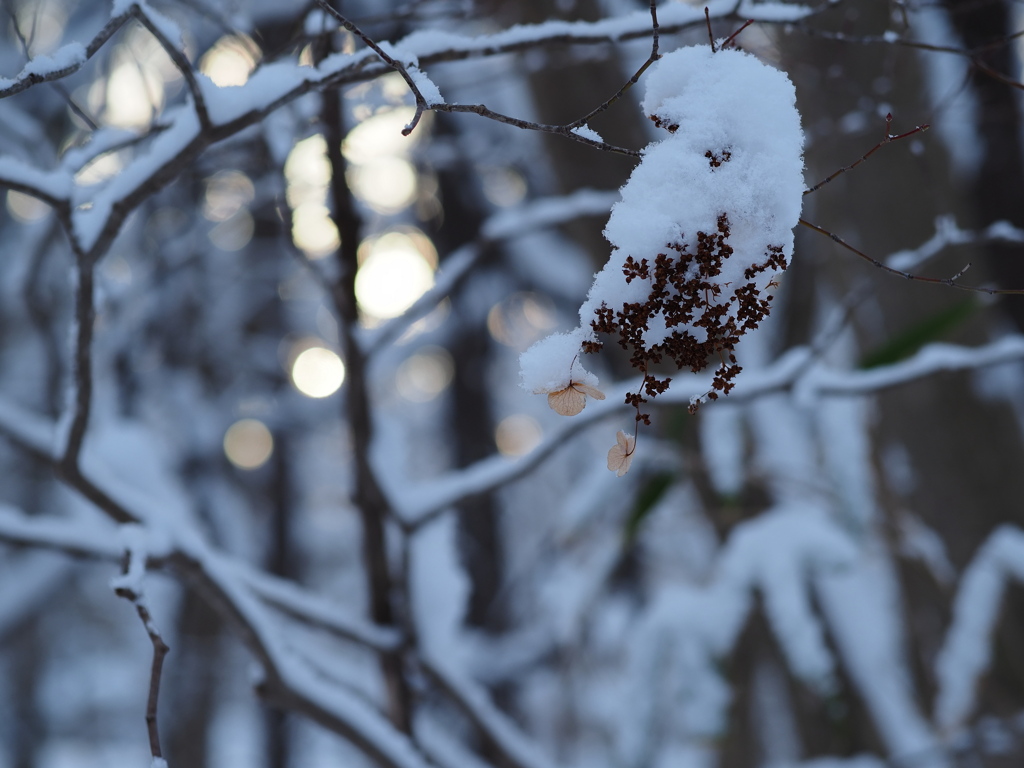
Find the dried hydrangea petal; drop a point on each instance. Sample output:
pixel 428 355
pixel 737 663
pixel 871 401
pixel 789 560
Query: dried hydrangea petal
pixel 594 392
pixel 620 455
pixel 568 401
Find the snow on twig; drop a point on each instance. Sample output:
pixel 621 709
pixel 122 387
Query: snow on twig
pixel 929 360
pixel 129 586
pixel 290 683
pixel 168 36
pixel 966 654
pixel 307 608
pixel 410 72
pixel 517 750
pixel 74 537
pixel 439 45
pixel 65 61
pixel 794 370
pixel 948 233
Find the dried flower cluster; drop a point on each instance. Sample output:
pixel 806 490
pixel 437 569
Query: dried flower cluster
pixel 702 232
pixel 685 295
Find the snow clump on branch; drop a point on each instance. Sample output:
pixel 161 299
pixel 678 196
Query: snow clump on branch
pixel 700 237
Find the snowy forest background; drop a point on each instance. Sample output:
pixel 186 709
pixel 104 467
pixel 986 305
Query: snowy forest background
pixel 260 387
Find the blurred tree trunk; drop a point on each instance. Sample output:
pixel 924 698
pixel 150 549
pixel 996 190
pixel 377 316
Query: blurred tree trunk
pixel 998 185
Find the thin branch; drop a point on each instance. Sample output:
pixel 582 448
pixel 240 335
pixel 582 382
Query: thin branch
pixel 60 534
pixel 655 55
pixel 56 85
pixel 422 105
pixel 129 586
pixel 180 62
pixel 732 38
pixel 24 82
pixel 494 725
pixel 950 282
pixel 561 130
pixel 973 54
pixel 421 102
pixel 889 139
pixel 297 603
pixel 85 315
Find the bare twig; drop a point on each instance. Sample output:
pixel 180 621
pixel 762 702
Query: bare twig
pixel 972 54
pixel 951 282
pixel 561 130
pixel 130 589
pixel 655 55
pixel 731 39
pixel 889 139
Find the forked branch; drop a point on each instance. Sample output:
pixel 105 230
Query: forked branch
pixel 889 139
pixel 569 130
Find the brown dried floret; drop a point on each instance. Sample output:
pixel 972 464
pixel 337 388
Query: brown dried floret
pixel 685 291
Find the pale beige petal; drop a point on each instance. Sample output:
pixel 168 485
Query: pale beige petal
pixel 567 402
pixel 586 389
pixel 620 456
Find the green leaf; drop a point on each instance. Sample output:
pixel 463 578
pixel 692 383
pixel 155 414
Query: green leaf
pixel 647 499
pixel 912 339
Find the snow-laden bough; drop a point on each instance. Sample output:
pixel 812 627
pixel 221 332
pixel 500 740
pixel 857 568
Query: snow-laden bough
pixel 701 235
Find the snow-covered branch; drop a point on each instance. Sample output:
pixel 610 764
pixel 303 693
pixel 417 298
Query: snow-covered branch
pixel 967 650
pixel 795 371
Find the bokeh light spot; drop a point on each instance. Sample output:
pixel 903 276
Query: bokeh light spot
pixel 394 273
pixel 386 184
pixel 424 375
pixel 227 192
pixel 520 319
pixel 318 372
pixel 248 444
pixel 230 61
pixel 25 208
pixel 517 434
pixel 313 230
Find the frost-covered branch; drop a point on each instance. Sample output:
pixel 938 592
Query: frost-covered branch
pixel 437 45
pixel 569 130
pixel 575 131
pixel 313 611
